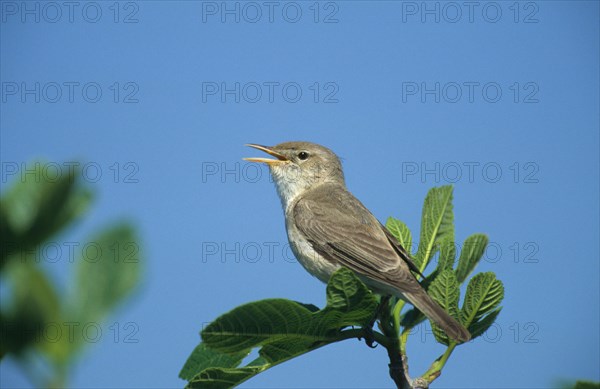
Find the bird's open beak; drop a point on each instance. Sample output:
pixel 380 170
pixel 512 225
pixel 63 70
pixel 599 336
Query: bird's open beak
pixel 271 162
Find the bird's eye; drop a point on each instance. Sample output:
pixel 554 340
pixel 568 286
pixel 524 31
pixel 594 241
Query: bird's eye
pixel 303 155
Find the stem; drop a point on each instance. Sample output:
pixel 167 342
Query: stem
pixel 436 367
pixel 403 340
pixel 396 314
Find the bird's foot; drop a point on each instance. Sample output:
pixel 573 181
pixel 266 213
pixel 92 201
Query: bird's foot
pixel 368 335
pixel 368 329
pixel 370 338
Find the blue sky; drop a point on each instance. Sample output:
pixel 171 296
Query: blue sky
pixel 501 100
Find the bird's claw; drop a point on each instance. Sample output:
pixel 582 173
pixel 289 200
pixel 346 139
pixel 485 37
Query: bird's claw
pixel 369 337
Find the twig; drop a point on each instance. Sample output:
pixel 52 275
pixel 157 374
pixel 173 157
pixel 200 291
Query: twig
pixel 435 370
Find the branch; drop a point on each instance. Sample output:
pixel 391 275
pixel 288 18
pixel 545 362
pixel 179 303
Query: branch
pixel 390 325
pixel 398 368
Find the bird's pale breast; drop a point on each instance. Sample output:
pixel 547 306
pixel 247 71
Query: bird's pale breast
pixel 311 260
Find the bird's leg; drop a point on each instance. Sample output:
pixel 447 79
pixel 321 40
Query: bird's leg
pixel 368 329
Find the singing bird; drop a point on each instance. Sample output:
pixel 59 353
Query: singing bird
pixel 328 228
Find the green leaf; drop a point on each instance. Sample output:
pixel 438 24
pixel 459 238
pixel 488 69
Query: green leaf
pixel 447 255
pixel 35 303
pixel 223 378
pixel 203 358
pixel 107 271
pixel 260 322
pixel 437 224
pixel 478 328
pixel 39 206
pixel 400 232
pixel 484 295
pixel 310 307
pixel 445 291
pixel 471 253
pixel 586 385
pixel 8 236
pixel 283 329
pixel 349 301
pixel 282 350
pixel 411 319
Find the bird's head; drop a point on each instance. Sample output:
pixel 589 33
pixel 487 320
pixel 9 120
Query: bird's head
pixel 299 166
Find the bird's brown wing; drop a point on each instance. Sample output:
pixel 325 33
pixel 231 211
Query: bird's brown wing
pixel 342 230
pixel 401 251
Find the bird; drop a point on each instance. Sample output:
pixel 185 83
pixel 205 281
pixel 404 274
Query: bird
pixel 328 228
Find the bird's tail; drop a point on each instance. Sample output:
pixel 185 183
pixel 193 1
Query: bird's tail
pixel 435 313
